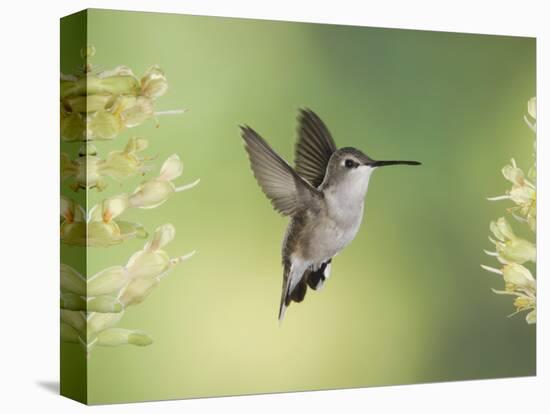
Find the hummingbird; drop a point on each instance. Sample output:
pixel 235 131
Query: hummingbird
pixel 324 196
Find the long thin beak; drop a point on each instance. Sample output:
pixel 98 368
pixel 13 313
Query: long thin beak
pixel 385 163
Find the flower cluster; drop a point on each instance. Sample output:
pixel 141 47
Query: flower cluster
pixel 95 106
pixel 89 170
pixel 90 307
pixel 523 193
pixel 513 252
pixel 150 193
pixel 95 229
pixel 99 227
pixel 99 105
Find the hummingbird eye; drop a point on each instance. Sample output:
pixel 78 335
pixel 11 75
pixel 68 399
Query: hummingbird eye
pixel 350 163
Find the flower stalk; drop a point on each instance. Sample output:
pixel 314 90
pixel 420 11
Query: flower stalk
pixel 98 105
pixel 512 252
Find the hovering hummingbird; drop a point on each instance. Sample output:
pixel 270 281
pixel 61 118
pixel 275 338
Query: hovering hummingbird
pixel 324 196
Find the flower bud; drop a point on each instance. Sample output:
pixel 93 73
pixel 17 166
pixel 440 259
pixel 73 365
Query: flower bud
pixel 114 207
pixel 151 194
pixel 72 301
pixel 171 169
pixel 119 71
pixel 523 302
pixel 153 83
pixel 124 164
pixel 514 175
pixel 518 251
pixel 518 275
pixel 75 319
pixel 119 81
pixel 100 234
pixel 68 333
pixel 135 144
pixel 104 304
pixel 71 211
pixel 73 233
pixel 97 322
pixel 511 248
pixel 73 226
pixel 72 281
pixel 163 235
pixel 141 111
pixel 119 336
pixel 72 126
pixel 131 230
pixel 87 103
pixel 138 290
pixel 522 195
pixel 108 281
pixel 148 264
pixel 85 171
pixel 67 168
pixel 154 192
pixel 502 230
pixel 103 125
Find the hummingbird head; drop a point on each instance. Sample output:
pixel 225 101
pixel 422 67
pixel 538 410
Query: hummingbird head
pixel 350 169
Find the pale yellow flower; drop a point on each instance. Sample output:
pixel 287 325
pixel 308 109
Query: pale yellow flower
pixel 519 282
pixel 153 82
pixel 119 336
pixel 149 266
pixel 114 288
pixel 108 281
pixel 89 170
pixel 68 333
pixel 523 193
pixel 72 281
pixel 91 308
pixel 512 251
pixel 98 228
pixel 101 105
pixel 155 191
pixel 124 164
pixel 509 247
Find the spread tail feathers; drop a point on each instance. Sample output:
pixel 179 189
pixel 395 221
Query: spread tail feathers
pixel 312 278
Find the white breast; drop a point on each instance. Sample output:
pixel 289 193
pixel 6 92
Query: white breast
pixel 345 204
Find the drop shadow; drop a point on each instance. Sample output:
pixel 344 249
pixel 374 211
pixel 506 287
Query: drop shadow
pixel 50 386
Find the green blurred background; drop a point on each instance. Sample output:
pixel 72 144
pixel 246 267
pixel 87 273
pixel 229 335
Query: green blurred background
pixel 407 301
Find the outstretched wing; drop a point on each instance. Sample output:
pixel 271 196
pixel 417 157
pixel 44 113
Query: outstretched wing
pixel 314 147
pixel 288 192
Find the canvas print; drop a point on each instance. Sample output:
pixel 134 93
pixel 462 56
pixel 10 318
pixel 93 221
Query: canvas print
pixel 253 206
